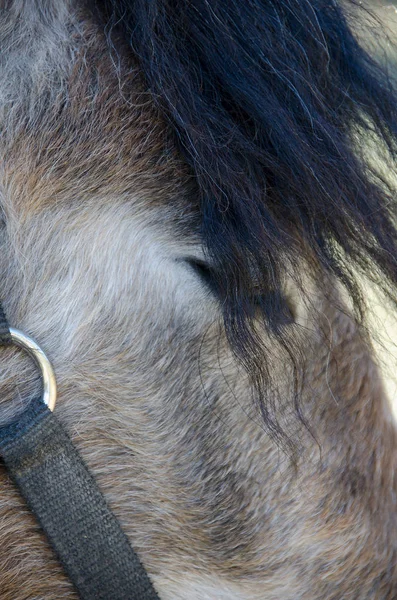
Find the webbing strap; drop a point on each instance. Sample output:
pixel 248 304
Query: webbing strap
pixel 64 496
pixel 5 337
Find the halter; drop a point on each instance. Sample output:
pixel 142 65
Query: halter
pixel 63 495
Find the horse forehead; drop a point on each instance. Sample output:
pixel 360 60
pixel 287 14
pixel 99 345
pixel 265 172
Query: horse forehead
pixel 75 127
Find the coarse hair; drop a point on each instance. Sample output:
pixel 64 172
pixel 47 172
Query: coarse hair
pixel 272 102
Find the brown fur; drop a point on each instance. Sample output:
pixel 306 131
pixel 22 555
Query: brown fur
pixel 96 226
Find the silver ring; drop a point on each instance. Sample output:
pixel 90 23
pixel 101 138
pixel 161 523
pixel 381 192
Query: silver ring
pixel 47 372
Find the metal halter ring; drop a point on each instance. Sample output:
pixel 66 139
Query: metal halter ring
pixel 47 372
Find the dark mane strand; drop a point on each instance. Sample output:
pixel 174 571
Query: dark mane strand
pixel 271 102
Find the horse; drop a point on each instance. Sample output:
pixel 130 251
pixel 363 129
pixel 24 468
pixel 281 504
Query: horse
pixel 195 197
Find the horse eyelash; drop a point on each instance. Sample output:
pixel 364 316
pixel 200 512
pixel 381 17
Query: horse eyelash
pixel 204 272
pixel 261 300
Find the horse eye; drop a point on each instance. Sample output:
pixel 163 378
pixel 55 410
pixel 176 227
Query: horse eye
pixel 204 271
pixel 262 301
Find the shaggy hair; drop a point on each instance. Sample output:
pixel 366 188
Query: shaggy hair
pixel 105 197
pixel 270 101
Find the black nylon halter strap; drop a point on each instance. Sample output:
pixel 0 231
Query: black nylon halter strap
pixel 66 500
pixel 5 337
pixel 63 495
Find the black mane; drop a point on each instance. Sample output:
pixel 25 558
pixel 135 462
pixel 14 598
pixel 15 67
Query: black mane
pixel 266 98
